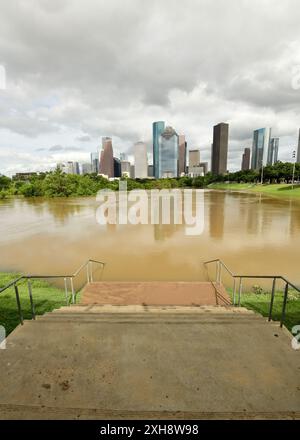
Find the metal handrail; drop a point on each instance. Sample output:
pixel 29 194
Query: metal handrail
pixel 14 283
pixel 220 264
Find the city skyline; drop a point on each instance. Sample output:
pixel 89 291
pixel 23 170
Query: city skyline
pixel 172 157
pixel 270 147
pixel 57 105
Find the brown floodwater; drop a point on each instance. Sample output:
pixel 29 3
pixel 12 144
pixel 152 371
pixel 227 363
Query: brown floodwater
pixel 251 233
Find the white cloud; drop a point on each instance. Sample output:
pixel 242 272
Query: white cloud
pixel 78 70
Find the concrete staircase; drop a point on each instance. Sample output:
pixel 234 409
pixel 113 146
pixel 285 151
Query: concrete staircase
pixel 138 361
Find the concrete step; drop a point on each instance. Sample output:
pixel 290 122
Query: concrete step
pixel 108 308
pixel 35 412
pixel 146 318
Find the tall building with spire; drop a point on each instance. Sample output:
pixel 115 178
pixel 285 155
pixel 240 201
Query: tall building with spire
pixel 106 166
pixel 157 127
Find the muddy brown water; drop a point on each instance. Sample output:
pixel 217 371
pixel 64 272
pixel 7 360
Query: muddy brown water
pixel 252 234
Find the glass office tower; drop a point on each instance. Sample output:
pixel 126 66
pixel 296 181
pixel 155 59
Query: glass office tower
pixel 260 148
pixel 168 153
pixel 95 162
pixel 158 128
pixel 273 151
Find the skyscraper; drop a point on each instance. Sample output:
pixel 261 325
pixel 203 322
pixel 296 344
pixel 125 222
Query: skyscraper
pixel 246 159
pixel 298 154
pixel 86 168
pixel 220 149
pixel 158 127
pixel 107 158
pixel 140 160
pixel 181 154
pixel 204 165
pixel 132 172
pixel 76 169
pixel 95 162
pixel 260 148
pixel 117 167
pixel 125 168
pixel 150 171
pixel 273 151
pixel 194 158
pixel 168 153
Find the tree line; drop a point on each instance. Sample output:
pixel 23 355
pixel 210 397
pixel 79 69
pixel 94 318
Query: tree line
pixel 59 184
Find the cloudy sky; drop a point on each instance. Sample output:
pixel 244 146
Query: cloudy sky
pixel 77 70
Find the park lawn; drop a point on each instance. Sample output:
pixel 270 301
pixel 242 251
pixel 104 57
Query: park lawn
pixel 260 303
pixel 277 190
pixel 45 297
pixel 231 186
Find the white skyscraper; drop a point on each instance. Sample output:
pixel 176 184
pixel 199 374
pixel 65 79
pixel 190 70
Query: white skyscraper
pixel 140 160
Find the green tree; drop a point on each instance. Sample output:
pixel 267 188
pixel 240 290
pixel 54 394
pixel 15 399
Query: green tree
pixel 56 184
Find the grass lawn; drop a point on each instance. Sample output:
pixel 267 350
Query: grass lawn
pixel 231 186
pixel 45 298
pixel 277 190
pixel 260 303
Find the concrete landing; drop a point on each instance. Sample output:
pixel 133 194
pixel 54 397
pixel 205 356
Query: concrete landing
pixel 155 293
pixel 86 362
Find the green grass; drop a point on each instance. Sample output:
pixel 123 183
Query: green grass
pixel 260 303
pixel 277 190
pixel 231 186
pixel 46 298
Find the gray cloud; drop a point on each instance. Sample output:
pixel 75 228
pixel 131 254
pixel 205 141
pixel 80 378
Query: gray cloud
pixel 111 68
pixel 85 138
pixel 56 148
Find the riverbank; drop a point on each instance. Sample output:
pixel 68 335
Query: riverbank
pixel 46 298
pixel 276 190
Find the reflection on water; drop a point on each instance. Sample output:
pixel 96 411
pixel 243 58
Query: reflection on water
pixel 250 233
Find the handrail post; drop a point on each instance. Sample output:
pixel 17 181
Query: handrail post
pixel 234 291
pixel 66 291
pixel 286 291
pixel 31 299
pixel 240 292
pixel 91 271
pixel 72 289
pixel 19 304
pixel 220 272
pixel 87 273
pixel 272 299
